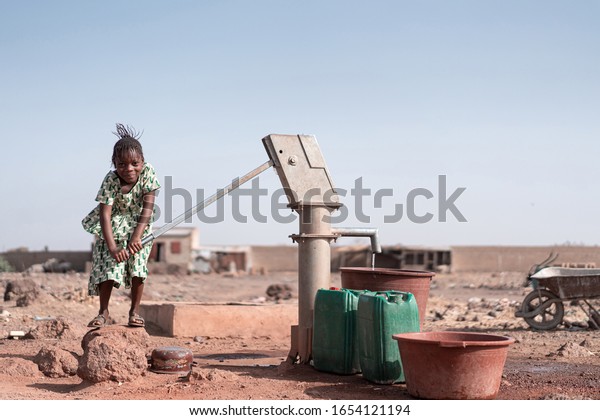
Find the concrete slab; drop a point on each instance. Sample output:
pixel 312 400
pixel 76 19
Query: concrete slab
pixel 189 319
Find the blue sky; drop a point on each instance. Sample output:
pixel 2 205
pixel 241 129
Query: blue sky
pixel 501 97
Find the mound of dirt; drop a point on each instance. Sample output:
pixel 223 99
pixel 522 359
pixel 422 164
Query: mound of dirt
pixel 59 328
pixel 56 363
pixel 19 368
pixel 571 350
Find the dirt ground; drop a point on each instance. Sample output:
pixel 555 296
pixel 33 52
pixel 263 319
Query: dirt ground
pixel 559 364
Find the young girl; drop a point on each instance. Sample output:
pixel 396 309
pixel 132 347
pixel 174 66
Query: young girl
pixel 123 217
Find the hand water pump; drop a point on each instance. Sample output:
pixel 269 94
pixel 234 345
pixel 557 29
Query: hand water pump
pixel 301 168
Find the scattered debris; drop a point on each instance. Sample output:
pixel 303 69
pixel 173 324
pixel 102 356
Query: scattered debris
pixel 35 268
pixel 571 350
pixel 77 294
pixel 15 335
pixel 24 292
pixel 230 274
pixel 575 325
pixel 54 265
pixel 588 343
pixel 59 328
pixel 474 302
pixel 43 318
pixel 279 292
pixel 212 375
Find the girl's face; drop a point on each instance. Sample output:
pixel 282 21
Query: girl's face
pixel 129 166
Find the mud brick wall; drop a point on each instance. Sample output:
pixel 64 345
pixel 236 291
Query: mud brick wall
pixel 273 258
pixel 518 258
pixel 22 260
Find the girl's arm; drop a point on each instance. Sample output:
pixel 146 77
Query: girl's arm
pixel 135 243
pixel 118 254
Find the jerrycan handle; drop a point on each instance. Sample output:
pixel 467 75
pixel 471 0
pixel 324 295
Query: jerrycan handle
pixel 392 296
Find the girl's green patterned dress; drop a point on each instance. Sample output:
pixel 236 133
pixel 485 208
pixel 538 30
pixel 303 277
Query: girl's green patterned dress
pixel 126 209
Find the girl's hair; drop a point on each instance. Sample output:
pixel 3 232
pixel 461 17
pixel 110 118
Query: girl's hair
pixel 127 143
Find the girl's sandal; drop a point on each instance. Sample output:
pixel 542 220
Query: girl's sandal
pixel 99 321
pixel 136 321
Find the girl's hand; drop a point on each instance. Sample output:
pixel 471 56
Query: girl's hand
pixel 119 254
pixel 135 245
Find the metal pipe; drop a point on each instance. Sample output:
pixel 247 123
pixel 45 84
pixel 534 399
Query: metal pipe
pixel 372 233
pixel 314 271
pixel 220 193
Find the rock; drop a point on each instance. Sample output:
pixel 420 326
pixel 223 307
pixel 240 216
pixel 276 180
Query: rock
pixel 114 353
pixel 35 268
pixel 279 292
pixel 588 344
pixel 438 316
pixel 56 363
pixel 137 336
pixel 60 328
pixel 474 302
pixel 24 292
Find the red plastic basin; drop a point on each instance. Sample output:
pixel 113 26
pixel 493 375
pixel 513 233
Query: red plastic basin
pixel 453 365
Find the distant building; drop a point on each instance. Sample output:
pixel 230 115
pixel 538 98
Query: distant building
pixel 221 259
pixel 178 251
pixel 397 256
pixel 173 251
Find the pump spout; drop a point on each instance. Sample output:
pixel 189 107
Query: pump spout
pixel 372 233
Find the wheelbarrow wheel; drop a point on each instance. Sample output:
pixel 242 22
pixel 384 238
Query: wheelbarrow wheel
pixel 550 317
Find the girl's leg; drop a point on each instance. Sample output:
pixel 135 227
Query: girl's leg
pixel 105 290
pixel 137 289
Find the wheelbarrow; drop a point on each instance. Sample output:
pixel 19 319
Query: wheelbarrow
pixel 543 308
